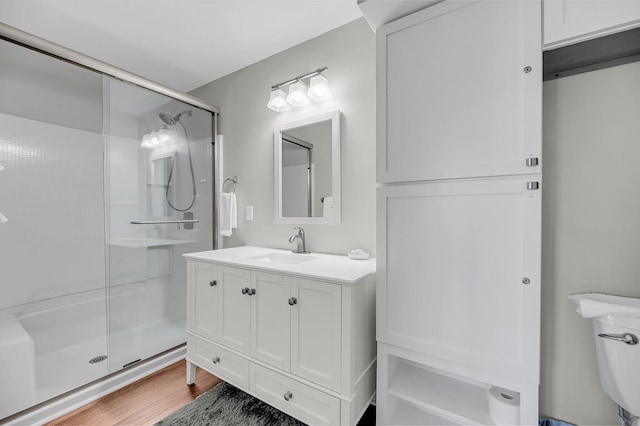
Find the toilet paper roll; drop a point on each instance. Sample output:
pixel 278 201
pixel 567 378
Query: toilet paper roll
pixel 504 406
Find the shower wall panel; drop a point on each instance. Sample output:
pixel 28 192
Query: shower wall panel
pixel 52 195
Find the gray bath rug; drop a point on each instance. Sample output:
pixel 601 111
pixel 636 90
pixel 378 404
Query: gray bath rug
pixel 225 405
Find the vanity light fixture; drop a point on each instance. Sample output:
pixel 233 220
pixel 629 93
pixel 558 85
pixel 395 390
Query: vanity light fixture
pixel 316 88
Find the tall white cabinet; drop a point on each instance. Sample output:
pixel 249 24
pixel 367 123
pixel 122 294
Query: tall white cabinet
pixel 459 172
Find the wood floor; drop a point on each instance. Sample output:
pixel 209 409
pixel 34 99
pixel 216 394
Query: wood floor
pixel 151 399
pixel 144 402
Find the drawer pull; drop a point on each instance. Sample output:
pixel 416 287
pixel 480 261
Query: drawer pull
pixel 216 359
pixel 288 395
pixel 293 301
pixel 212 283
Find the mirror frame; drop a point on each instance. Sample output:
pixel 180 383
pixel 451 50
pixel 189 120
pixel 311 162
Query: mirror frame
pixel 334 117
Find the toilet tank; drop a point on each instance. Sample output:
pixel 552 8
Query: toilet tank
pixel 618 362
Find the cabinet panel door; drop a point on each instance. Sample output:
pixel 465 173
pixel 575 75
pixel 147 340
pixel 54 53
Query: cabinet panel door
pixel 271 319
pixel 460 272
pixel 236 309
pixel 315 332
pixel 570 22
pixel 204 300
pixel 453 97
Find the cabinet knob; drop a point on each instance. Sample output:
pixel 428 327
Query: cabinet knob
pixel 293 301
pixel 216 359
pixel 245 290
pixel 212 283
pixel 288 395
pixel 251 291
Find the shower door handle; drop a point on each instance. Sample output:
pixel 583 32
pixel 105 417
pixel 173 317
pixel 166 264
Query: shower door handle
pixel 156 222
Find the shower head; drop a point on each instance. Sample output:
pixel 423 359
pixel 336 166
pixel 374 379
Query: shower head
pixel 173 120
pixel 167 118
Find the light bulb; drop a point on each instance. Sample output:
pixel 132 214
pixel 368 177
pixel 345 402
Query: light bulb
pixel 145 141
pixel 319 88
pixel 164 135
pixel 154 138
pixel 277 101
pixel 297 95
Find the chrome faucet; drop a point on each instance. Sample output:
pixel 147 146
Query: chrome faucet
pixel 299 240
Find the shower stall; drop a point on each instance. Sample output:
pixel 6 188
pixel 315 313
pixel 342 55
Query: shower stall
pixel 104 184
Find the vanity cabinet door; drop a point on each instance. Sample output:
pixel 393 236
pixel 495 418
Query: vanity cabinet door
pixel 570 22
pixel 204 300
pixel 235 308
pixel 459 92
pixel 316 332
pixel 271 319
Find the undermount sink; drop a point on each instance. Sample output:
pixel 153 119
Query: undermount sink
pixel 283 258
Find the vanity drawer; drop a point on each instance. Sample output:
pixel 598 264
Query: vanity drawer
pixel 226 365
pixel 305 403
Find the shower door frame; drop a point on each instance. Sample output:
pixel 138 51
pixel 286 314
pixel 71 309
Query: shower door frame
pixel 51 409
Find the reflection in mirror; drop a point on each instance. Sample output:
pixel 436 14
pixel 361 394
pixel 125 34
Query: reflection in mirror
pixel 157 180
pixel 307 164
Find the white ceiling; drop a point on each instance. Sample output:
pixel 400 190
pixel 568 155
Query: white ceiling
pixel 182 44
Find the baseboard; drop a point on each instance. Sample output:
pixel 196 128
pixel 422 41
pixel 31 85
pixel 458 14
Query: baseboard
pixel 61 405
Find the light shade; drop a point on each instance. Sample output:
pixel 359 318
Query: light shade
pixel 319 88
pixel 156 137
pixel 297 94
pixel 277 101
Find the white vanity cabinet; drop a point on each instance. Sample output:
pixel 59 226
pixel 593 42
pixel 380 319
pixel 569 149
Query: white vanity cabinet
pixel 569 21
pixel 299 340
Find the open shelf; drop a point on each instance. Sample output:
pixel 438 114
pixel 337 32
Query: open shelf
pixel 407 414
pixel 440 394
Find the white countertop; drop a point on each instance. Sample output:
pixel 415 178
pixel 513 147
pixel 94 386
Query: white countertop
pixel 326 267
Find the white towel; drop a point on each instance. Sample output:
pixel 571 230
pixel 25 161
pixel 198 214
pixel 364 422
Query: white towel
pixel 327 207
pixel 3 218
pixel 591 305
pixel 228 214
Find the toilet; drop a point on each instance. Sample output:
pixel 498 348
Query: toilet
pixel 616 326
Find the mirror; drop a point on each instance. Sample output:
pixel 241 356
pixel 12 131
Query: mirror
pixel 307 170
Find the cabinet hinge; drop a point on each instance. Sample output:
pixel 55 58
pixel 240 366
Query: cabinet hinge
pixel 532 161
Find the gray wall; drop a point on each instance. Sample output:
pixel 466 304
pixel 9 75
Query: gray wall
pixel 591 228
pixel 247 125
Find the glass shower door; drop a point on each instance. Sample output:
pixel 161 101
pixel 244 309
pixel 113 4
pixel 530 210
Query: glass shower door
pixel 159 166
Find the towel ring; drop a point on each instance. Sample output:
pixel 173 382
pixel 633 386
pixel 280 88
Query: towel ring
pixel 234 180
